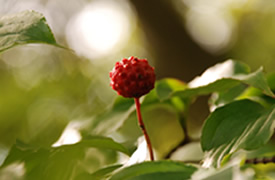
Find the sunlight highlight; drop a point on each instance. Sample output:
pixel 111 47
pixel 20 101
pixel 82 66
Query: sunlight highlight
pixel 102 31
pixel 70 135
pixel 212 74
pixel 141 154
pixel 100 28
pixel 15 170
pixel 212 23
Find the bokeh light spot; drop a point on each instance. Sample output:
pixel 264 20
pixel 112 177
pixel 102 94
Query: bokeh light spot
pixel 99 29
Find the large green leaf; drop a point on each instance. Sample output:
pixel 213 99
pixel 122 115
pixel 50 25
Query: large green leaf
pixel 219 78
pixel 160 170
pixel 56 163
pixel 255 79
pixel 241 124
pixel 22 28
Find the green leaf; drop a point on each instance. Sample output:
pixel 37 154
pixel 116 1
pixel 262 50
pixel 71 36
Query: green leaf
pixel 256 95
pixel 255 79
pixel 225 69
pixel 190 152
pixel 160 170
pixel 217 86
pixel 264 151
pixel 241 124
pixel 23 28
pixel 100 174
pixel 228 172
pixel 166 86
pixel 221 98
pixel 123 108
pixel 242 92
pixel 271 80
pixel 224 173
pixel 44 163
pixel 101 142
pixel 105 171
pixel 56 163
pixel 222 77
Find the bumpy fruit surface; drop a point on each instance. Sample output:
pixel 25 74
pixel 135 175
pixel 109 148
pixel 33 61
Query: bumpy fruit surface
pixel 132 77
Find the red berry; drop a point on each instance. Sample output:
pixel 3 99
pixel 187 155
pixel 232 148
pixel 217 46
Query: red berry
pixel 132 77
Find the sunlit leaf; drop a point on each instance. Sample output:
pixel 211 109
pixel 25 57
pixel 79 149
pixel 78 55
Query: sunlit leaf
pixel 225 69
pixel 161 170
pixel 190 152
pixel 220 78
pixel 22 28
pixel 166 86
pixel 242 124
pixel 101 142
pixel 255 79
pixel 217 86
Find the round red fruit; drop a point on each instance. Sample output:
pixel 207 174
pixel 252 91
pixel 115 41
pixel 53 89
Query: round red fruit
pixel 132 77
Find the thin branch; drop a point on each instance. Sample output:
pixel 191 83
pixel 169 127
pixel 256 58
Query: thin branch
pixel 264 160
pixel 142 126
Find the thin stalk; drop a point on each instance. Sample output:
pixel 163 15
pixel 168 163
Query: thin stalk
pixel 142 126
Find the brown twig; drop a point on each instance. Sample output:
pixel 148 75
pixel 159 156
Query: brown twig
pixel 264 160
pixel 142 126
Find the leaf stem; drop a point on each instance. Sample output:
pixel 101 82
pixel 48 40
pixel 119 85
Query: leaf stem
pixel 142 126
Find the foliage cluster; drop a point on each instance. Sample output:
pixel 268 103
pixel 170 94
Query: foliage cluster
pixel 239 127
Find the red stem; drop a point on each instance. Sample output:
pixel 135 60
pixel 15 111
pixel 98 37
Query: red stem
pixel 142 126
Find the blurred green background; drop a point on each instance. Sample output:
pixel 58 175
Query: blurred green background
pixel 45 90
